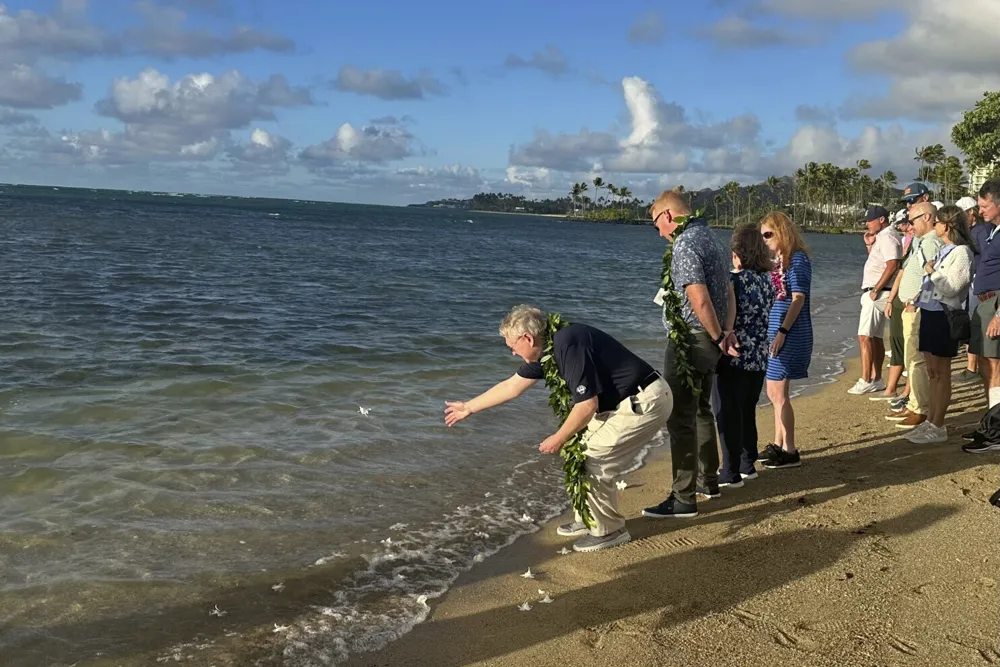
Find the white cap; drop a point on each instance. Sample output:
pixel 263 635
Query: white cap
pixel 938 205
pixel 901 215
pixel 966 203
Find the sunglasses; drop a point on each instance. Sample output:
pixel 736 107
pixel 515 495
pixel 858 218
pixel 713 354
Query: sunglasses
pixel 767 235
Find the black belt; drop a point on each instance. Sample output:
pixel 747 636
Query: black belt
pixel 647 381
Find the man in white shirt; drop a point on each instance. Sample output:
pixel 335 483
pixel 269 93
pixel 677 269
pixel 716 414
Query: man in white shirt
pixel 880 270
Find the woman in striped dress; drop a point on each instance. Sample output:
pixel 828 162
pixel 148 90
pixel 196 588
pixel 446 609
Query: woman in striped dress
pixel 790 332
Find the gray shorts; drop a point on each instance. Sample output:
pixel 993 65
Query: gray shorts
pixel 980 343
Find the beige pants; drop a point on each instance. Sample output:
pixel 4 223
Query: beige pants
pixel 613 440
pixel 916 365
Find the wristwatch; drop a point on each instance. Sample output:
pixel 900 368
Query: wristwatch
pixel 722 337
pixel 783 330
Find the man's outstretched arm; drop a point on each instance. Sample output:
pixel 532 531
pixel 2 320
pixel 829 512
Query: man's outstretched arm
pixel 496 395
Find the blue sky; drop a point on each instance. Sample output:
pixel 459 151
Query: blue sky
pixel 398 103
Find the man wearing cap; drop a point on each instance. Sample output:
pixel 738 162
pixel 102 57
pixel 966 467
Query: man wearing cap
pixel 916 193
pixel 906 287
pixel 980 231
pixel 985 340
pixel 894 311
pixel 880 269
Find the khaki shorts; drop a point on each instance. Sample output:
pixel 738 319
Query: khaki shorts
pixel 980 343
pixel 873 319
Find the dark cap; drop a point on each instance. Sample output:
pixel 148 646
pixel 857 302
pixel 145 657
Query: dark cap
pixel 914 191
pixel 876 212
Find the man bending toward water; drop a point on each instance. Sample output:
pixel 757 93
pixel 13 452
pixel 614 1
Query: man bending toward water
pixel 617 397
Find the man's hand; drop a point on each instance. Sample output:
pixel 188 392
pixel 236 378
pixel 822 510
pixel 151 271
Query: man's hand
pixel 455 412
pixel 551 445
pixel 888 308
pixel 777 344
pixel 873 294
pixel 929 267
pixel 993 330
pixel 729 345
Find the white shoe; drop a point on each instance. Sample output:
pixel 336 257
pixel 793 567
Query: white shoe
pixel 917 430
pixel 930 435
pixel 878 385
pixel 865 387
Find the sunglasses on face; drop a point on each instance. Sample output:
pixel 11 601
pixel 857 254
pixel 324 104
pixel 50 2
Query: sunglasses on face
pixel 767 235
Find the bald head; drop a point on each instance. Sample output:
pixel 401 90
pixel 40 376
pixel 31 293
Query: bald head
pixel 670 200
pixel 922 216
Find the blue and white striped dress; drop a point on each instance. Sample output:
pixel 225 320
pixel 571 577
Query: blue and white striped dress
pixel 792 363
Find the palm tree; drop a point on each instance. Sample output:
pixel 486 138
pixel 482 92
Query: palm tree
pixel 624 193
pixel 717 200
pixel 586 199
pixel 598 184
pixel 889 180
pixel 863 166
pixel 575 195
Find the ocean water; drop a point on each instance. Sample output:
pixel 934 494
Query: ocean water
pixel 186 471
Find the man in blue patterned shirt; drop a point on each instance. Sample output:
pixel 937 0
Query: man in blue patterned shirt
pixel 700 272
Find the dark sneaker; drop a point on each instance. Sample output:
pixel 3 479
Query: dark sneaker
pixel 770 451
pixel 594 543
pixel 784 460
pixel 981 447
pixel 995 498
pixel 966 376
pixel 752 475
pixel 898 404
pixel 670 509
pixel 708 492
pixel 574 529
pixel 972 435
pixel 731 480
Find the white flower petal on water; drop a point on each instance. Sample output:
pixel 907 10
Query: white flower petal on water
pixel 546 599
pixel 400 577
pixel 215 611
pixel 621 484
pixel 564 552
pixel 524 607
pixel 528 574
pixel 525 518
pixel 478 558
pixel 387 541
pixel 541 592
pixel 422 599
pixel 487 494
pixel 363 411
pixel 483 535
pixel 277 588
pixel 281 628
pixel 242 542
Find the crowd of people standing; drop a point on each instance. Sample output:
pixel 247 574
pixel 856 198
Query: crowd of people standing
pixel 738 319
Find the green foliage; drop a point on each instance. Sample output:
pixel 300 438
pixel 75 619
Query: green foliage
pixel 574 452
pixel 680 331
pixel 978 133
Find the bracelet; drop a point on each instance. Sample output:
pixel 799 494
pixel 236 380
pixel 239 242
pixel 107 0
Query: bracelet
pixel 722 337
pixel 783 330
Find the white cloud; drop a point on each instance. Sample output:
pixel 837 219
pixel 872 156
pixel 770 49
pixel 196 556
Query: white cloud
pixel 940 65
pixel 25 87
pixel 374 144
pixel 266 152
pixel 387 84
pixel 530 177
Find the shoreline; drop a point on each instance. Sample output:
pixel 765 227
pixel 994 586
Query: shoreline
pixel 854 525
pixel 644 221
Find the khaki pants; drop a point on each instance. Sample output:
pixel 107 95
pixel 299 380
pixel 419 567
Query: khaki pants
pixel 614 439
pixel 916 366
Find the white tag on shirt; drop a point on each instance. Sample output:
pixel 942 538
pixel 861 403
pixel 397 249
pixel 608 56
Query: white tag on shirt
pixel 658 299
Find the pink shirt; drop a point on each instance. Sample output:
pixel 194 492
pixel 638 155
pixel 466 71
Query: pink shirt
pixel 888 246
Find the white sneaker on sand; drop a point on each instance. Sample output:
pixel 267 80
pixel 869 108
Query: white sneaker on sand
pixel 928 435
pixel 865 387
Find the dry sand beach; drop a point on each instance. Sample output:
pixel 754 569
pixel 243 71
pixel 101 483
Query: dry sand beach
pixel 875 552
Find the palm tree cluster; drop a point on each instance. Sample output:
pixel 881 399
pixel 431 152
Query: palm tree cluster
pixel 619 204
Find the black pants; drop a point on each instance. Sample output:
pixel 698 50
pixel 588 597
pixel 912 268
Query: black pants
pixel 739 391
pixel 694 450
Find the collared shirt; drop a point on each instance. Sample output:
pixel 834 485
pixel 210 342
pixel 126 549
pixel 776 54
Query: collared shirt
pixel 988 262
pixel 887 247
pixel 700 258
pixel 921 252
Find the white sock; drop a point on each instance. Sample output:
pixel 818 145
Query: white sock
pixel 994 396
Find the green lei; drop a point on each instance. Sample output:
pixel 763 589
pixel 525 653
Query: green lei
pixel 574 451
pixel 680 331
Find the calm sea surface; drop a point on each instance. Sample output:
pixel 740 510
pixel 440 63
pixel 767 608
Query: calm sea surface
pixel 183 458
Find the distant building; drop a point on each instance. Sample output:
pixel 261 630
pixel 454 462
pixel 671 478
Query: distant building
pixel 979 175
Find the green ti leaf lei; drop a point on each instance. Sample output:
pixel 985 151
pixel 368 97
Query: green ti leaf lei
pixel 574 452
pixel 680 331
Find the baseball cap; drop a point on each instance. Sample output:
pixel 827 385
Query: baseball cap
pixel 901 216
pixel 913 191
pixel 876 212
pixel 966 203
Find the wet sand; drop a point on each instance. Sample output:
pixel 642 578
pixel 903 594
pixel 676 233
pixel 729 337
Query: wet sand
pixel 874 552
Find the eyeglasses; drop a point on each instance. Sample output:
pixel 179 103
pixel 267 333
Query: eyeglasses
pixel 670 216
pixel 767 235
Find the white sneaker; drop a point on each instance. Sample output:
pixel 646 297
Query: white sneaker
pixel 931 434
pixel 917 430
pixel 865 387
